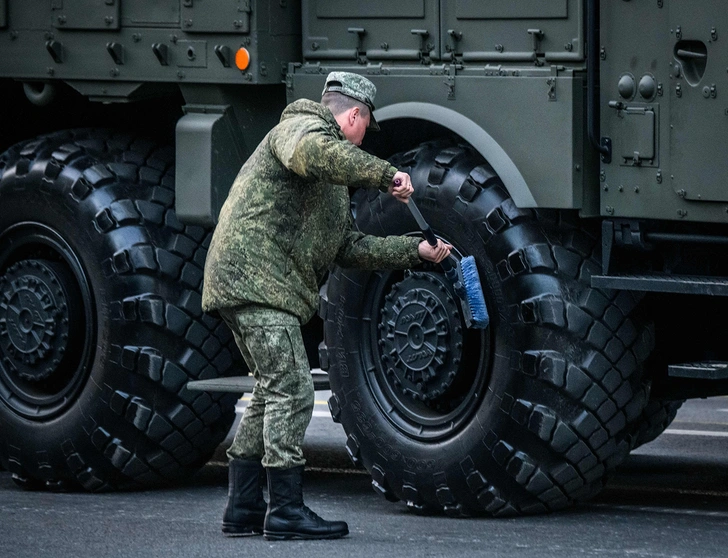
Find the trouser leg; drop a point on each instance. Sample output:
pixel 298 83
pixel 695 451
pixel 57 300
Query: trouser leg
pixel 286 386
pixel 248 440
pixel 275 420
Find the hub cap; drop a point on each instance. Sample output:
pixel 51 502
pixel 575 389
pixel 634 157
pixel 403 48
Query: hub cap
pixel 33 320
pixel 420 337
pixel 425 370
pixel 47 323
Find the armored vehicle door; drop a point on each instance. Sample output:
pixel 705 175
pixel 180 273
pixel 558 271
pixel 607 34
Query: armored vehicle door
pixel 698 109
pixel 663 75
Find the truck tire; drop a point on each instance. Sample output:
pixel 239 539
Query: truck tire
pixel 100 318
pixel 654 420
pixel 524 417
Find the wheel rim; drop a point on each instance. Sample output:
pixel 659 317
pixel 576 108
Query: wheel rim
pixel 426 371
pixel 46 322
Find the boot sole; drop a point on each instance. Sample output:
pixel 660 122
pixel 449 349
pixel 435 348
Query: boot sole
pixel 299 536
pixel 242 533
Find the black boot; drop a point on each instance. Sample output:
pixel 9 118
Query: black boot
pixel 245 509
pixel 288 517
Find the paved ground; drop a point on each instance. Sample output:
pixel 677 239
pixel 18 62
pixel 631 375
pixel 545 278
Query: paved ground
pixel 669 500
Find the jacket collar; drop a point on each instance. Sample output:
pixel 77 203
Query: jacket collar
pixel 306 107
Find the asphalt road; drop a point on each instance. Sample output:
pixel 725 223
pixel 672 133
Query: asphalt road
pixel 669 500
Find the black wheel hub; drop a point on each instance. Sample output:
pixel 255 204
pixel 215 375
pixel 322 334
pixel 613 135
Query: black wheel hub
pixel 47 325
pixel 34 319
pixel 420 335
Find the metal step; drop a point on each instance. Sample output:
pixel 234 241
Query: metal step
pixel 710 370
pixel 245 384
pixel 681 284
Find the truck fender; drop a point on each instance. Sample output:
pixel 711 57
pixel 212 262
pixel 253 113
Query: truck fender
pixel 472 133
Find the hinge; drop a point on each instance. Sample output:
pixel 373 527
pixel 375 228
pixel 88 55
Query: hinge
pixel 551 82
pixel 450 84
pixel 314 68
pixel 374 69
pixel 607 153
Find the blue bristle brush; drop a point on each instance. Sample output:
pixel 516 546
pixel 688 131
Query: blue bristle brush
pixel 463 276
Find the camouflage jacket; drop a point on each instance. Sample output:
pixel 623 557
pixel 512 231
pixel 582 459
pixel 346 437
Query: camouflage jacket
pixel 287 218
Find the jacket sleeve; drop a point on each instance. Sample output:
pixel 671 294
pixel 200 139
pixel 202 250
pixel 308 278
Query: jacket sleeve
pixel 314 153
pixel 364 251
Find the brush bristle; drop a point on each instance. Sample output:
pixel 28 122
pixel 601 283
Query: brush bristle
pixel 474 293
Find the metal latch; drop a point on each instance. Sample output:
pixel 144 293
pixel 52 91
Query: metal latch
pixel 116 51
pixel 161 51
pixel 456 37
pixel 360 32
pixel 425 47
pixel 537 36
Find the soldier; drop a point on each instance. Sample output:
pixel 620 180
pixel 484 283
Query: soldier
pixel 284 223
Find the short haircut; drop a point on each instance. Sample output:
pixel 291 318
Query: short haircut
pixel 338 102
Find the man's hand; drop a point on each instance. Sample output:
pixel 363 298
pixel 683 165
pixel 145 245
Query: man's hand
pixel 401 187
pixel 434 254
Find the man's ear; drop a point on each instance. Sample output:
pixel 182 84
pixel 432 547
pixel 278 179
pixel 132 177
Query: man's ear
pixel 353 115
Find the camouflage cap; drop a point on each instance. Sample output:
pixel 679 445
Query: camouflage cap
pixel 354 86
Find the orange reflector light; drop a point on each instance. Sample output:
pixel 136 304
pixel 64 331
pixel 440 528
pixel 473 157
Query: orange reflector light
pixel 242 59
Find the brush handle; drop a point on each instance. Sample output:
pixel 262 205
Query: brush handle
pixel 430 237
pixel 424 226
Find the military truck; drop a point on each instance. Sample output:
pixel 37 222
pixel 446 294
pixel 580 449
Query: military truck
pixel 574 149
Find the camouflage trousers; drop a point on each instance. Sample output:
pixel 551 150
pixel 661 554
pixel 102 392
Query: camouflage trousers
pixel 276 418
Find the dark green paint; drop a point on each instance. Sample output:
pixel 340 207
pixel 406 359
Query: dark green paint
pixel 509 77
